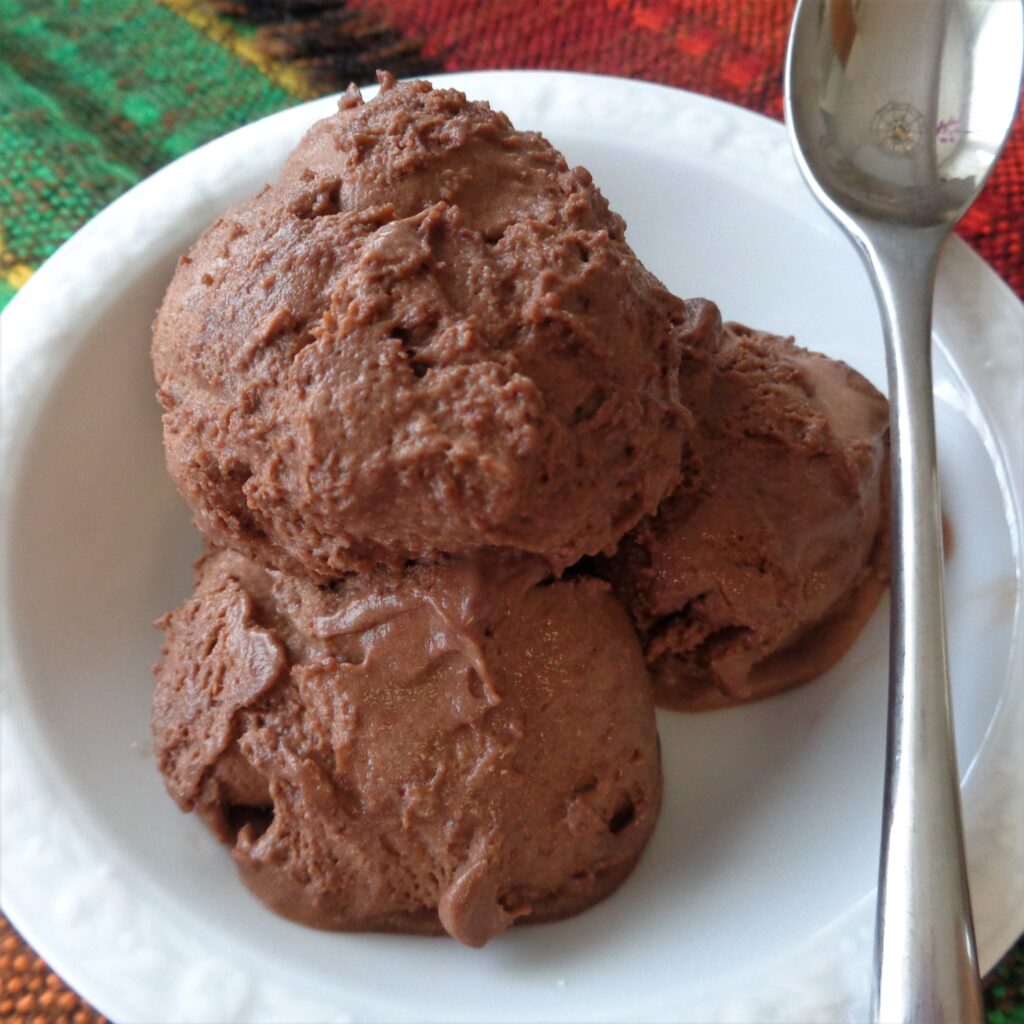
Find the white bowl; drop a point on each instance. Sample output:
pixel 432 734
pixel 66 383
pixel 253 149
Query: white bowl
pixel 754 900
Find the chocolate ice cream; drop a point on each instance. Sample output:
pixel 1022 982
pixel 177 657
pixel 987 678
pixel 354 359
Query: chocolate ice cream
pixel 454 747
pixel 406 388
pixel 428 336
pixel 762 567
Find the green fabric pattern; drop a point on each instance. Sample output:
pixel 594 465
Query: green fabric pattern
pixel 94 96
pixel 1004 989
pixel 40 203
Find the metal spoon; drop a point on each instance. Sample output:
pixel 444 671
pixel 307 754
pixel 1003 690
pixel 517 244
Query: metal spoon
pixel 897 110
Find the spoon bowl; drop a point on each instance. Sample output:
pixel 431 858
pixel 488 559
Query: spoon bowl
pixel 897 111
pixel 900 107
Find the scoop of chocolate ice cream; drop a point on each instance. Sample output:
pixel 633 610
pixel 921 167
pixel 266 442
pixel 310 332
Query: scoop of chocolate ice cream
pixel 429 336
pixel 760 570
pixel 455 747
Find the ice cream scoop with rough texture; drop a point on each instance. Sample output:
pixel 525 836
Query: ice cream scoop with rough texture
pixel 761 569
pixel 428 336
pixel 454 747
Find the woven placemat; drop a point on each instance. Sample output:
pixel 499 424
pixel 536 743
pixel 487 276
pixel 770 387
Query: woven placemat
pixel 30 993
pixel 96 94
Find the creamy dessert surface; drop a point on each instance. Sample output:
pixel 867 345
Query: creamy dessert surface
pixel 454 747
pixel 477 490
pixel 428 337
pixel 762 567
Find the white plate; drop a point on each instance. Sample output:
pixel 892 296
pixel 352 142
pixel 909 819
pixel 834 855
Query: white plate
pixel 754 899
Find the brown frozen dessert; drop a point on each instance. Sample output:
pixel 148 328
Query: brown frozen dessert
pixel 759 571
pixel 428 336
pixel 456 747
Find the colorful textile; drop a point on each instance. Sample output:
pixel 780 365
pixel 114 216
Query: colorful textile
pixel 97 94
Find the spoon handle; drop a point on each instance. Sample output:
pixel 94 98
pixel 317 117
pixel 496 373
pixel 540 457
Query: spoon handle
pixel 925 962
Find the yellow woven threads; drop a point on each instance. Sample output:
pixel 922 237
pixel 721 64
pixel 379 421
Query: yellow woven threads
pixel 221 32
pixel 14 273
